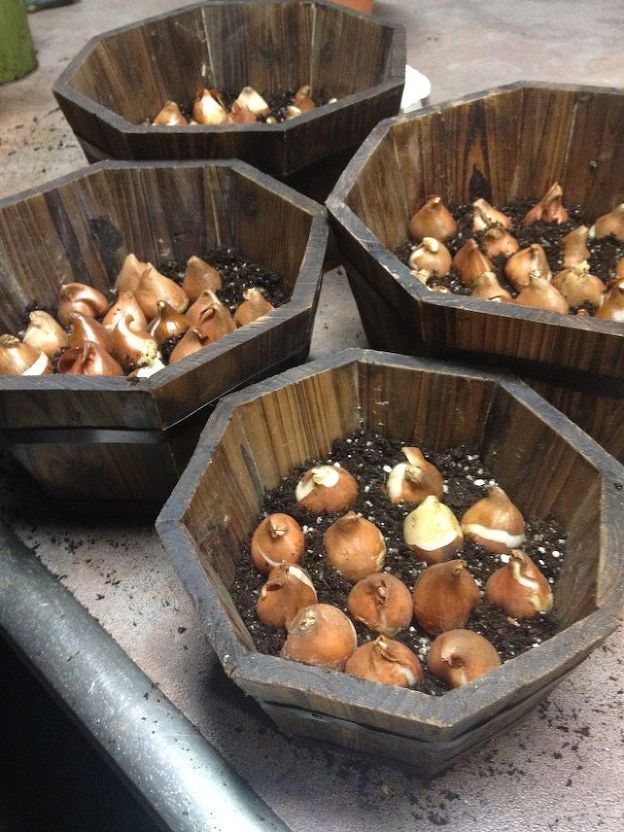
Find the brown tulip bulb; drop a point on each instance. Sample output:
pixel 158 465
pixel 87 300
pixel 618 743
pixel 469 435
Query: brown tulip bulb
pixel 206 299
pixel 445 595
pixel 354 547
pixel 126 304
pixel 464 252
pixel 248 97
pixel 45 334
pixel 432 531
pixel 519 588
pixel 326 488
pixel 287 590
pixel 20 359
pixel 578 286
pixel 432 220
pixel 549 209
pixel 382 603
pixel 430 256
pixel 130 275
pixel 386 661
pixel 200 277
pixel 84 329
pixel 239 114
pixel 541 294
pixel 253 307
pixel 291 112
pixel 78 297
pixel 619 269
pixel 526 262
pixel 131 346
pixel 472 262
pixel 610 224
pixel 321 635
pixel 192 341
pixel 487 287
pixel 412 481
pixel 494 522
pixel 170 115
pixel 612 308
pixel 216 321
pixel 207 107
pixel 302 99
pixel 422 276
pixel 499 242
pixel 485 216
pixel 461 656
pixel 167 324
pixel 154 286
pixel 276 539
pixel 89 359
pixel 574 244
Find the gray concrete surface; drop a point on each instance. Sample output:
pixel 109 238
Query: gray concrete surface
pixel 562 767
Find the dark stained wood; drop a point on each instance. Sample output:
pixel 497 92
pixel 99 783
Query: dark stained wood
pixel 123 77
pixel 80 228
pixel 547 463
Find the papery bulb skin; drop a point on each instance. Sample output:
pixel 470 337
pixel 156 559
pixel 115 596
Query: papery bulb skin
pixel 445 595
pixel 549 209
pixel 88 360
pixel 612 308
pixel 169 116
pixel 433 532
pixel 131 346
pixel 578 286
pixel 253 101
pixel 302 99
pixel 519 588
pixel 382 603
pixel 200 277
pixel 414 480
pixel 83 328
pixel 130 274
pixel 541 294
pixel 526 262
pixel 254 306
pixel 487 287
pixel 239 114
pixel 276 539
pixel 207 109
pixel 206 299
pixel 153 287
pixel 326 488
pixel 292 112
pixel 192 341
pixel 431 257
pixel 167 324
pixel 354 547
pixel 287 590
pixel 485 216
pixel 20 359
pixel 494 522
pixel 387 662
pixel 574 247
pixel 148 370
pixel 126 304
pixel 499 242
pixel 470 262
pixel 216 321
pixel 461 656
pixel 321 635
pixel 432 220
pixel 78 297
pixel 45 333
pixel 610 224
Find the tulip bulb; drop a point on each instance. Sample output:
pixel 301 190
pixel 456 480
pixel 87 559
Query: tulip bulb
pixel 609 224
pixel 432 220
pixel 216 321
pixel 45 334
pixel 499 242
pixel 302 99
pixel 207 109
pixel 470 262
pixel 276 539
pixel 253 101
pixel 205 300
pixel 130 275
pixel 131 346
pixel 549 208
pixel 287 590
pixel 170 115
pixel 253 307
pixel 519 588
pixel 148 370
pixel 326 488
pixel 154 286
pixel 192 341
pixel 126 304
pixel 619 269
pixel 239 114
pixel 445 595
pixel 487 287
pixel 526 262
pixel 485 216
pixel 431 256
pixel 541 294
pixel 387 662
pixel 432 531
pixel 354 547
pixel 494 522
pixel 78 297
pixel 167 324
pixel 199 277
pixel 461 656
pixel 292 112
pixel 20 359
pixel 321 635
pixel 84 329
pixel 412 481
pixel 575 251
pixel 382 603
pixel 612 308
pixel 579 287
pixel 88 360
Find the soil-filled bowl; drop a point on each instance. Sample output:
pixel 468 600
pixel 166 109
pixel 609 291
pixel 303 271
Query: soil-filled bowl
pixel 121 440
pixel 122 78
pixel 507 144
pixel 257 437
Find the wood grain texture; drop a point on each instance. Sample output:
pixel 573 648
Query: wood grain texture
pixel 550 466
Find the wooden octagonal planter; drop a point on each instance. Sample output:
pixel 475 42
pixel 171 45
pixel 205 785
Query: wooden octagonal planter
pixel 258 436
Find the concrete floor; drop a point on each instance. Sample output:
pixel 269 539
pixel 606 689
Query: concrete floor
pixel 561 768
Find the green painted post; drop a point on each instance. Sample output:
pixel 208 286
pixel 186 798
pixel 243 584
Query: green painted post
pixel 17 53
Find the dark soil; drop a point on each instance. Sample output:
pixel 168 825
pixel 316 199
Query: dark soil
pixel 604 253
pixel 365 456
